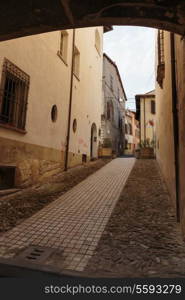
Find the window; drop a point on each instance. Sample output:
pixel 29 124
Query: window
pixel 108 111
pixel 74 125
pixel 130 129
pixel 63 45
pixel 111 82
pixel 13 96
pixel 152 107
pixel 76 70
pixel 126 129
pixel 118 94
pixel 120 123
pixel 161 61
pixel 54 113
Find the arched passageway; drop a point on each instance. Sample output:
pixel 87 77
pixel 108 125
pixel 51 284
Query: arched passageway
pixel 21 18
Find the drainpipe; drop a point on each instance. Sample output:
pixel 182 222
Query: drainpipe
pixel 70 104
pixel 175 123
pixel 144 123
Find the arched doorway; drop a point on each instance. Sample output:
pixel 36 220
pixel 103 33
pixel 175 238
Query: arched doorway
pixel 32 17
pixel 93 145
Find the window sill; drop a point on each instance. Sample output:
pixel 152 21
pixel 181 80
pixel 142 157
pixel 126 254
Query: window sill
pixel 62 58
pixel 76 77
pixel 6 126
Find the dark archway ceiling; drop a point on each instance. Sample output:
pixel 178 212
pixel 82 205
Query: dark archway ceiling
pixel 26 17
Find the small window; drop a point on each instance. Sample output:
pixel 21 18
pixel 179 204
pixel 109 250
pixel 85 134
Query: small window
pixel 74 125
pixel 13 96
pixel 54 113
pixel 120 123
pixel 111 82
pixel 153 107
pixel 126 129
pixel 118 94
pixel 130 129
pixel 76 70
pixel 63 45
pixel 97 41
pixel 108 111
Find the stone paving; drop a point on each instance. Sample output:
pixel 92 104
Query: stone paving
pixel 142 237
pixel 73 224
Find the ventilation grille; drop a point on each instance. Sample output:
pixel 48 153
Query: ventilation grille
pixel 35 254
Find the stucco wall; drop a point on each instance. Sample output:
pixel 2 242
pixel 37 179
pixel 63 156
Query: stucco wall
pixel 50 85
pixel 145 117
pixel 110 128
pixel 87 91
pixel 180 79
pixel 164 121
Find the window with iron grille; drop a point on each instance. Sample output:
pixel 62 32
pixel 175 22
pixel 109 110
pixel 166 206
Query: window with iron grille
pixel 13 96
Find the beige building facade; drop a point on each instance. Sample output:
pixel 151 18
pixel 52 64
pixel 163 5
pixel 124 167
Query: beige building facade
pixel 146 114
pixel 132 132
pixel 170 108
pixel 36 89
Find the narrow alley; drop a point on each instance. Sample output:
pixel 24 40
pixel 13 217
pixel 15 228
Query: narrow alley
pixel 98 232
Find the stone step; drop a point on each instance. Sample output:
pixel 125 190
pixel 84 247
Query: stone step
pixel 6 192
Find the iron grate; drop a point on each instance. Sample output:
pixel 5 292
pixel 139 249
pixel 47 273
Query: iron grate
pixel 35 254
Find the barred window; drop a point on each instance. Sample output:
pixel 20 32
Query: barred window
pixel 13 96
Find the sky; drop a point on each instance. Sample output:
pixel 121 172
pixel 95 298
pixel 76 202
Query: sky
pixel 133 50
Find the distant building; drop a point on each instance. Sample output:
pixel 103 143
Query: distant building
pixel 146 115
pixel 132 132
pixel 113 110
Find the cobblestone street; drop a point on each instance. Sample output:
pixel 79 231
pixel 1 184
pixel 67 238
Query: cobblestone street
pixel 142 238
pixel 94 230
pixel 73 224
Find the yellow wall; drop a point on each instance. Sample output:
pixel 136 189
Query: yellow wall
pixel 150 131
pixel 165 144
pixel 180 79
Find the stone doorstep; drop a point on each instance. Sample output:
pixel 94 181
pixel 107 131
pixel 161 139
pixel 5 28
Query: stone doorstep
pixel 5 192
